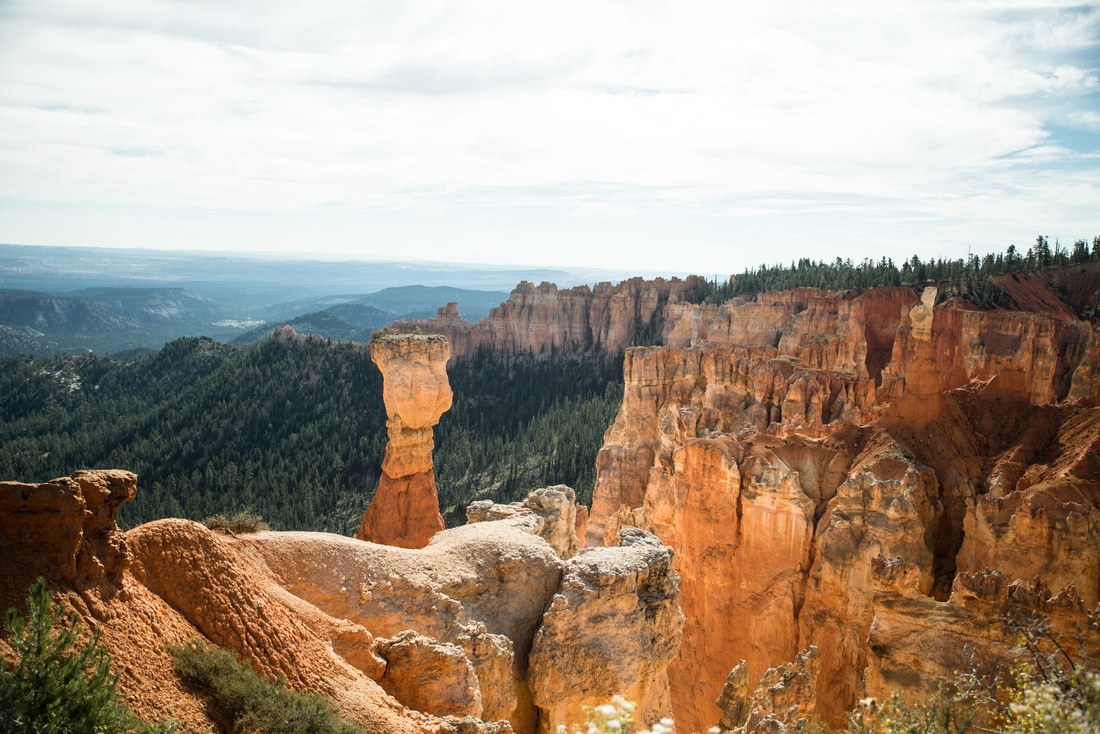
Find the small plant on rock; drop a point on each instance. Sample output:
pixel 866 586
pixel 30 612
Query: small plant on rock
pixel 244 521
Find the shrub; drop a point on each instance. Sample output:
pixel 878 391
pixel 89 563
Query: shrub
pixel 250 703
pixel 59 684
pixel 245 521
pixel 617 717
pixel 944 712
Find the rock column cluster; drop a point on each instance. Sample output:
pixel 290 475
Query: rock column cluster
pixel 415 389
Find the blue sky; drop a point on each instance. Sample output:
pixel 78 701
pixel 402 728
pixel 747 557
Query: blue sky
pixel 661 136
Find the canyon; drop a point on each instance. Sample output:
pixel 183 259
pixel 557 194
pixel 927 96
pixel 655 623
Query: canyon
pixel 807 497
pixel 872 475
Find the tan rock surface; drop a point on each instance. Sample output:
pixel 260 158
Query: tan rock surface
pixel 435 640
pixel 786 694
pixel 612 627
pixel 552 513
pixel 416 392
pixel 481 587
pixel 431 676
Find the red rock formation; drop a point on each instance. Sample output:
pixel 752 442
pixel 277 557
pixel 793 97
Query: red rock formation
pixel 405 507
pixel 787 442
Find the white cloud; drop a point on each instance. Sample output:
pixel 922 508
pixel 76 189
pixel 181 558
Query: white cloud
pixel 491 121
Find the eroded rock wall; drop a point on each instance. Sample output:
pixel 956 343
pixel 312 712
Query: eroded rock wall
pixel 787 443
pixel 543 319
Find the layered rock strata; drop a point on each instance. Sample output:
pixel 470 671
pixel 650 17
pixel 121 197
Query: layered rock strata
pixel 840 331
pixel 470 634
pixel 790 441
pixel 544 319
pixel 416 391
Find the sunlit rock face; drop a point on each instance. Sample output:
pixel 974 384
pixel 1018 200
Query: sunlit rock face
pixel 543 319
pixel 416 392
pixel 781 445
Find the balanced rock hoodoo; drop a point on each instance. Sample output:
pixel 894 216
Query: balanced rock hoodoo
pixel 415 389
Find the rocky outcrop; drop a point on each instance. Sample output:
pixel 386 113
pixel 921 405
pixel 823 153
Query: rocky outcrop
pixel 785 697
pixel 432 676
pixel 65 529
pixel 785 443
pixel 474 633
pixel 405 507
pixel 610 600
pixel 915 642
pixel 550 513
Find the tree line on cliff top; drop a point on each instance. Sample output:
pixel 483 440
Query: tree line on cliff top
pixel 969 278
pixel 296 432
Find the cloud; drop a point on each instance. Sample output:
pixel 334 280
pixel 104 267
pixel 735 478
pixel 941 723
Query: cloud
pixel 649 116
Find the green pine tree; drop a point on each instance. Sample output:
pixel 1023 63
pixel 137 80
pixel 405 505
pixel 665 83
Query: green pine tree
pixel 58 684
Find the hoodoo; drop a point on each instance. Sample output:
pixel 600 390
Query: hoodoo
pixel 415 389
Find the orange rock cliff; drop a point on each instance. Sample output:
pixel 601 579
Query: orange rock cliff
pixel 872 476
pixel 798 448
pixel 405 507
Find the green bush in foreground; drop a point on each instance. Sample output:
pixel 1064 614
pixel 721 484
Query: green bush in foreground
pixel 59 684
pixel 250 703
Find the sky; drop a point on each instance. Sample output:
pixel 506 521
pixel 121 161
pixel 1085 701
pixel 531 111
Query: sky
pixel 661 136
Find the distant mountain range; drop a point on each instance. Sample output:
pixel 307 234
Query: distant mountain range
pixel 76 299
pixel 110 320
pixel 103 319
pixel 357 317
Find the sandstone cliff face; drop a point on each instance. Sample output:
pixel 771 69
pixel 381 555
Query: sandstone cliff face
pixel 469 634
pixel 786 443
pixel 542 319
pixel 405 508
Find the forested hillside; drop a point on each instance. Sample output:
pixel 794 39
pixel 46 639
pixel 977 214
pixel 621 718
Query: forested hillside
pixel 973 279
pixel 294 430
